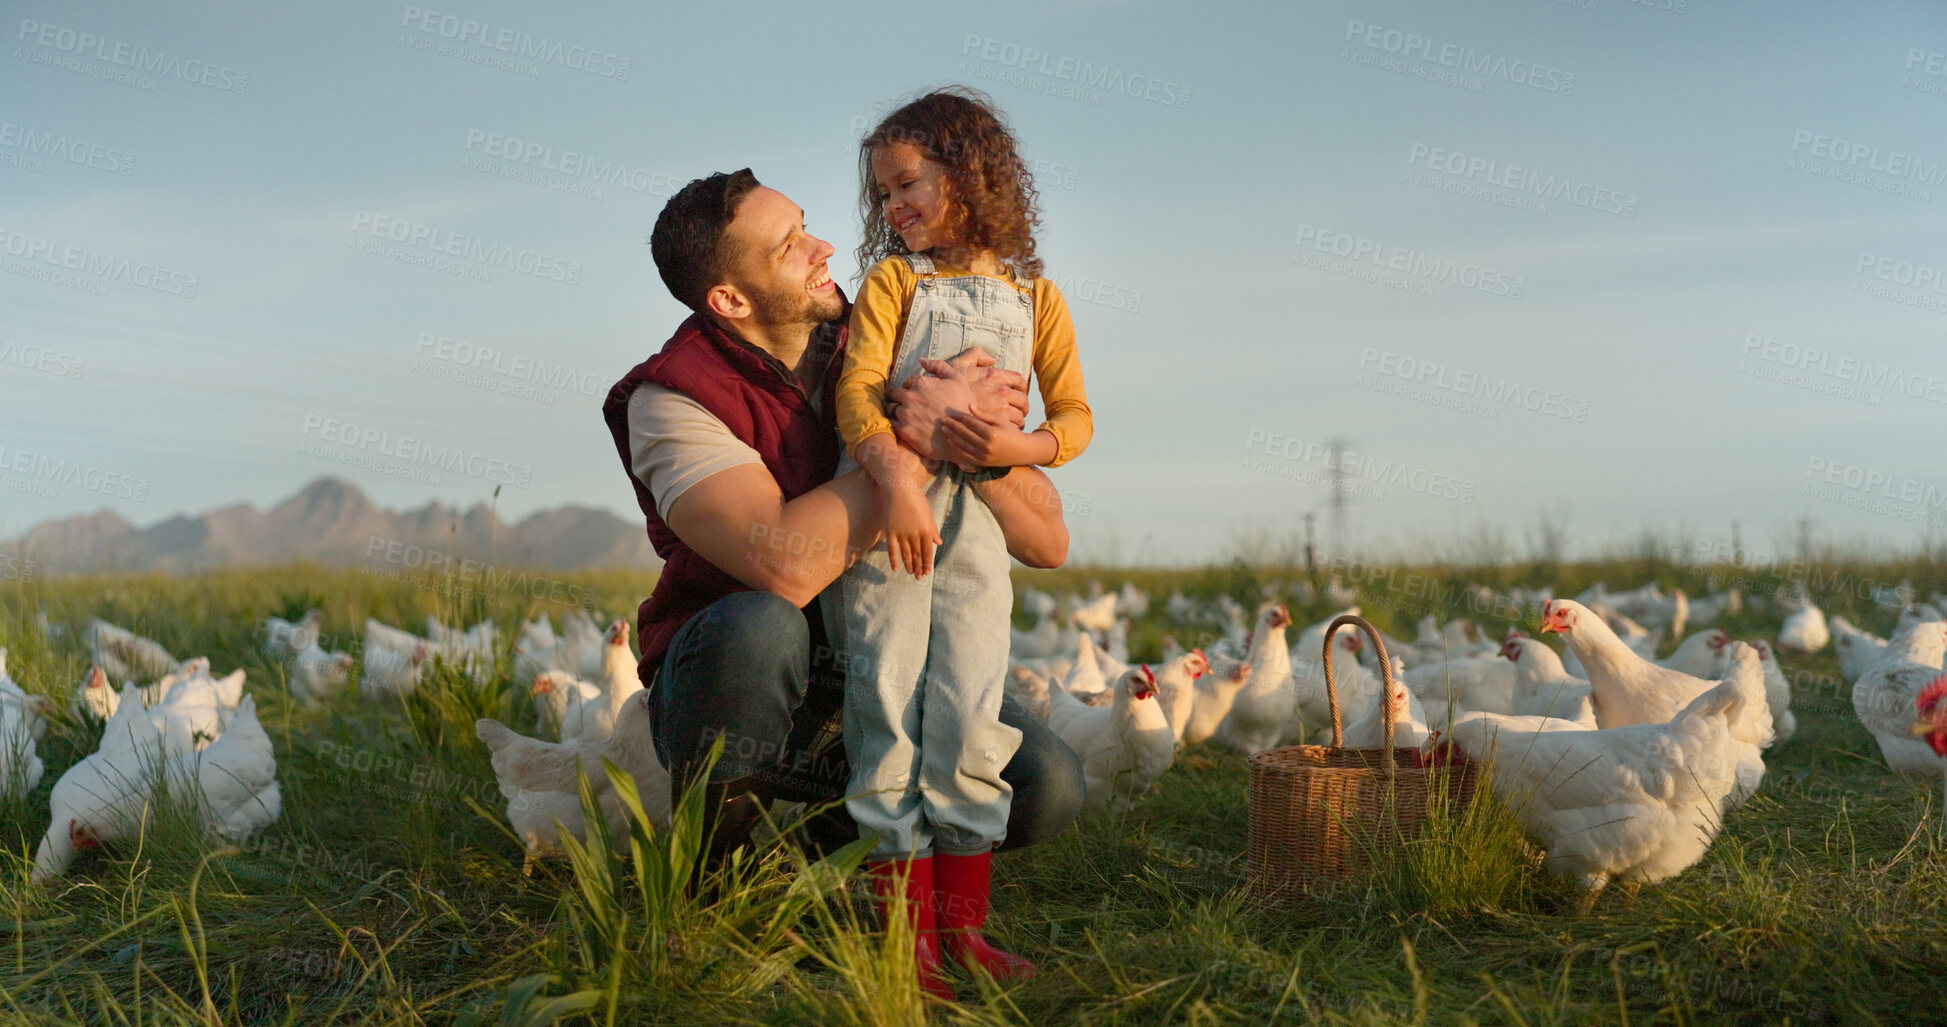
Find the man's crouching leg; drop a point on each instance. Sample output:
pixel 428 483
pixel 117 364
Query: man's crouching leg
pixel 735 671
pixel 1046 777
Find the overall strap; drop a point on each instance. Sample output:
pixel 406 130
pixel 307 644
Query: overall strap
pixel 920 263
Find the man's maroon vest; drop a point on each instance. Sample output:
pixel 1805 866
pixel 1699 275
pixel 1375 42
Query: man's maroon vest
pixel 763 405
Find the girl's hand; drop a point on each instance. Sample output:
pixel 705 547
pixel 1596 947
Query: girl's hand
pixel 972 442
pixel 910 531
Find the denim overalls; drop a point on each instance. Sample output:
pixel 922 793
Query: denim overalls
pixel 925 658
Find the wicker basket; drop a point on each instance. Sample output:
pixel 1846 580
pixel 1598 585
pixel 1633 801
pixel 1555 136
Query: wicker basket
pixel 1320 813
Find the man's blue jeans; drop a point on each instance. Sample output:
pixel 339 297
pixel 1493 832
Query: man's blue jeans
pixel 745 669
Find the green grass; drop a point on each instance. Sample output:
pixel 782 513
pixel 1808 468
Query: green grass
pixel 391 891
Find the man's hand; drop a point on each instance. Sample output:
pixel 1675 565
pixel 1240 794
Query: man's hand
pixel 999 395
pixel 968 383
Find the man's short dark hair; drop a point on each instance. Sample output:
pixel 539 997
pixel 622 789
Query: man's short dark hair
pixel 689 245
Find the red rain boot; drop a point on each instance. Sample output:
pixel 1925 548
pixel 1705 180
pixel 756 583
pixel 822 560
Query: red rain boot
pixel 961 888
pixel 917 876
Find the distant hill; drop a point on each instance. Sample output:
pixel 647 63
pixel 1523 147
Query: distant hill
pixel 333 522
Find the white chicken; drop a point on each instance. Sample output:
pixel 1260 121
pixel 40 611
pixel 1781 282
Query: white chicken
pixel 1097 614
pixel 388 673
pixel 539 650
pixel 1753 729
pixel 1338 594
pixel 536 634
pixel 1310 645
pixel 125 655
pixel 1030 690
pixel 1468 682
pixel 1885 697
pixel 538 779
pixel 104 797
pixel 1804 630
pixel 1350 678
pixel 1408 717
pixel 1712 608
pixel 1430 643
pixel 1038 642
pixel 1627 688
pixel 33 709
pixel 581 645
pixel 556 692
pixel 195 712
pixel 380 635
pixel 1919 612
pixel 1176 687
pixel 1641 640
pixel 471 650
pixel 1262 709
pixel 1930 723
pixel 1777 694
pixel 1087 678
pixel 1124 747
pixel 1216 692
pixel 1701 655
pixel 94 698
pixel 20 764
pixel 284 639
pixel 593 719
pixel 316 675
pixel 1543 688
pixel 1635 805
pixel 1231 618
pixel 1115 645
pixel 233 782
pixel 1650 605
pixel 1858 650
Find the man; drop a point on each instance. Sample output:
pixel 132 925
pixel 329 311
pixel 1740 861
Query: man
pixel 729 439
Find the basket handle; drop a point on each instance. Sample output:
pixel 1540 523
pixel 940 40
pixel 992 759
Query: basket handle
pixel 1386 682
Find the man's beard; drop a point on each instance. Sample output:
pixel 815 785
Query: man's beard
pixel 795 307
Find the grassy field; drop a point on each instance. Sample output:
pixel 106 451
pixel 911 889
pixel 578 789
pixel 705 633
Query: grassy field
pixel 390 891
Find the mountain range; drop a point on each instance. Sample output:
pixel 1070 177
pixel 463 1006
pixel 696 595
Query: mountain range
pixel 332 522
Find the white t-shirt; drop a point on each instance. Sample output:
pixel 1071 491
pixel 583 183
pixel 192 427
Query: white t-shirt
pixel 675 443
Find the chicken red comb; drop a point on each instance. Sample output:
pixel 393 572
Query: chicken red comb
pixel 1442 752
pixel 1147 676
pixel 1931 695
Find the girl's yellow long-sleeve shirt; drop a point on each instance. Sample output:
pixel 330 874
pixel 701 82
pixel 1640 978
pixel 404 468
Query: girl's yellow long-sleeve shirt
pixel 879 322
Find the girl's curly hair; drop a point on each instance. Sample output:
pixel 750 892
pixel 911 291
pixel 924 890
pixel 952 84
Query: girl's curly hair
pixel 992 203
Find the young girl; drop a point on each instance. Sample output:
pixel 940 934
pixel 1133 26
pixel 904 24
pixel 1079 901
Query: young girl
pixel 949 211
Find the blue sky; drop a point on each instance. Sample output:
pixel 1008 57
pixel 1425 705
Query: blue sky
pixel 1658 267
